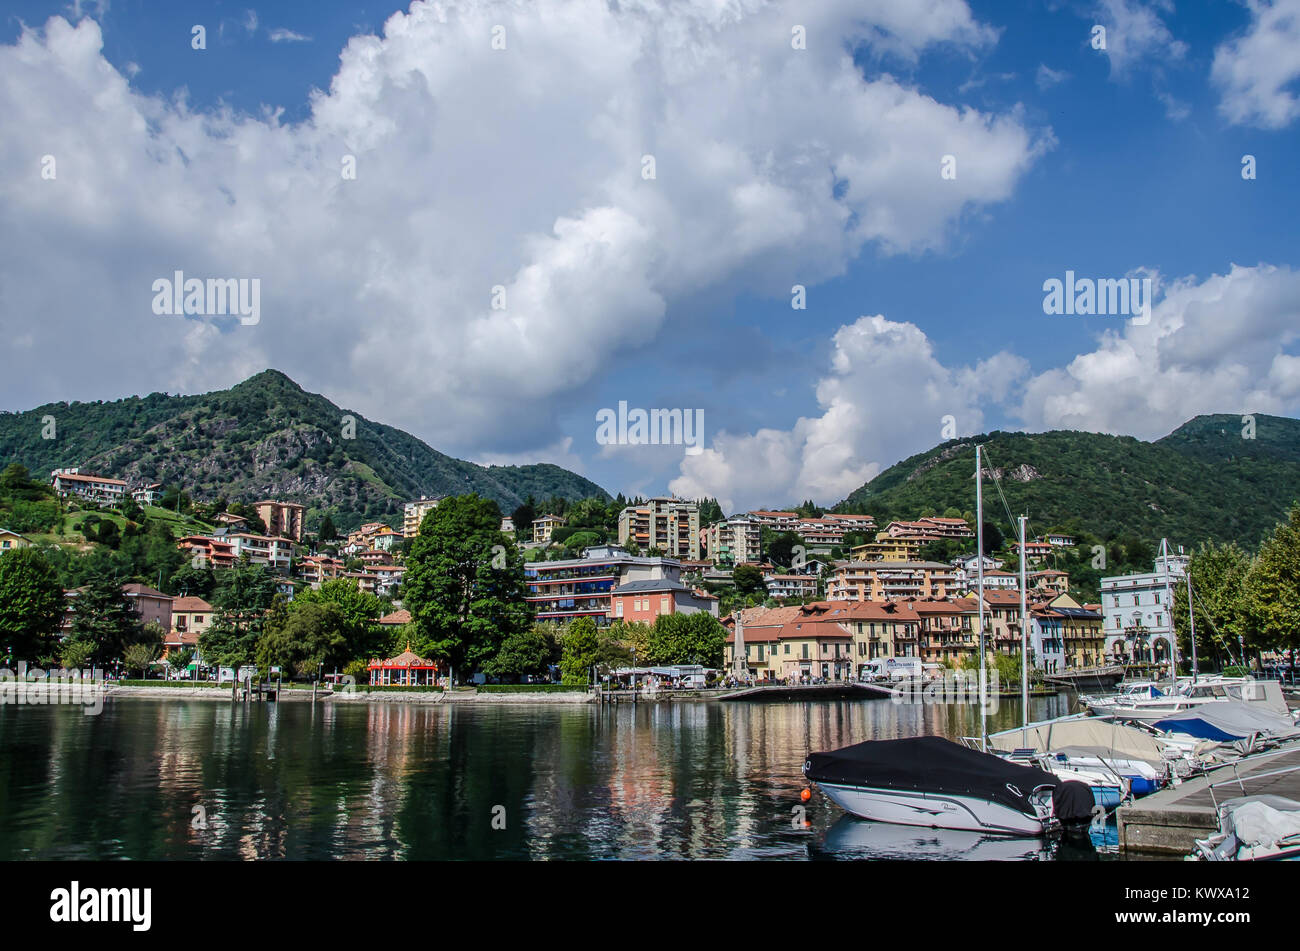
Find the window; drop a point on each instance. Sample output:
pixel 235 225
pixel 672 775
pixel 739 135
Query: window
pixel 787 649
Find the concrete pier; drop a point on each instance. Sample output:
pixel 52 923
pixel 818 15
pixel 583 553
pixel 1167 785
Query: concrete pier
pixel 1171 820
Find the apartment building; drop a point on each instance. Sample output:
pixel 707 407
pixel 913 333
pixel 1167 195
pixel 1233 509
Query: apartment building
pixel 930 529
pixel 886 548
pixel 733 541
pixel 947 629
pixel 883 581
pixel 783 587
pixel 777 521
pixel 670 525
pixel 413 514
pixel 276 553
pixel 281 518
pixel 823 533
pixel 583 587
pixel 387 577
pixel 207 551
pixel 84 485
pixel 317 569
pixel 1136 611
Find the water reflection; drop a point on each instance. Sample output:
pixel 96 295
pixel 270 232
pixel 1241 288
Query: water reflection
pixel 391 781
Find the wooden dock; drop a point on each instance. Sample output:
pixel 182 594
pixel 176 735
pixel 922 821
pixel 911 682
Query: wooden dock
pixel 1171 820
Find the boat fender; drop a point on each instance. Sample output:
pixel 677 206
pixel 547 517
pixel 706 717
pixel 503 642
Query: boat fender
pixel 1072 803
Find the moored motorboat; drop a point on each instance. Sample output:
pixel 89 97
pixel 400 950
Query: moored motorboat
pixel 931 781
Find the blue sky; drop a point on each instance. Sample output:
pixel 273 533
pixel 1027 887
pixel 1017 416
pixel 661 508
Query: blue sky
pixel 675 292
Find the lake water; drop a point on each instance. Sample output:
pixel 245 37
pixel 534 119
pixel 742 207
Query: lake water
pixel 175 779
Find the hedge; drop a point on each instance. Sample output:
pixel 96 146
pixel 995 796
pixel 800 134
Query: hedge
pixel 532 688
pixel 169 683
pixel 393 688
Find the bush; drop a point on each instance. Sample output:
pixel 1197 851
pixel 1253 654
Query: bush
pixel 397 688
pixel 531 688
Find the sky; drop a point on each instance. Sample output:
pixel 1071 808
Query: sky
pixel 826 230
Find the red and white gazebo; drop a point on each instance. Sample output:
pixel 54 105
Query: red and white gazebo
pixel 407 669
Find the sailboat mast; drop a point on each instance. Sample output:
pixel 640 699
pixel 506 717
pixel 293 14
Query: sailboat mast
pixel 1169 605
pixel 979 568
pixel 1024 645
pixel 1191 620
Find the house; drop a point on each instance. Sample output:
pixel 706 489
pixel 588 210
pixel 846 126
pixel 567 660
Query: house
pixel 544 527
pixel 317 569
pixel 231 521
pixel 395 619
pixel 783 586
pixel 887 548
pixel 647 599
pixel 152 605
pixel 149 494
pixel 93 488
pixel 387 577
pixel 1050 582
pixel 281 518
pixel 1058 540
pixel 793 644
pixel 208 551
pixel 11 540
pixel 508 525
pixel 823 533
pixel 191 615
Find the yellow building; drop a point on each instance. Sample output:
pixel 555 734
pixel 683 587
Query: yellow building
pixel 545 526
pixel 885 548
pixel 11 540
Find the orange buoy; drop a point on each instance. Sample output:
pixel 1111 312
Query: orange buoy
pixel 805 795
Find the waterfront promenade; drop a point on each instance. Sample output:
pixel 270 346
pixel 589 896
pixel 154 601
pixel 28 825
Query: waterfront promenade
pixel 1171 820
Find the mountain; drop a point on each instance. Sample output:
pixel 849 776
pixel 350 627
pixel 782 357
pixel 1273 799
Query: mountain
pixel 267 438
pixel 1204 480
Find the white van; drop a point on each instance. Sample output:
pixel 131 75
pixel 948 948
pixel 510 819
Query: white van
pixel 892 669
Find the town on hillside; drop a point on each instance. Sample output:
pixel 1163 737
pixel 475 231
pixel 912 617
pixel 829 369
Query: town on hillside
pixel 818 596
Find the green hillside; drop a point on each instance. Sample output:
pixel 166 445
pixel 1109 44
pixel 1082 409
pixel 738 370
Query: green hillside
pixel 1201 481
pixel 267 438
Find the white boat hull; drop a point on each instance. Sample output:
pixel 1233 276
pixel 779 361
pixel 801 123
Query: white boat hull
pixel 933 810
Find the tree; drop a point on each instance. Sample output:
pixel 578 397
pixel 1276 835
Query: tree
pixel 241 599
pixel 180 659
pixel 780 548
pixel 327 530
pixel 1218 573
pixel 580 649
pixel 74 655
pixel 360 610
pixel 523 516
pixel 139 657
pixel 304 639
pixel 687 639
pixel 103 617
pixel 31 603
pixel 1271 589
pixel 529 651
pixel 464 583
pixel 748 580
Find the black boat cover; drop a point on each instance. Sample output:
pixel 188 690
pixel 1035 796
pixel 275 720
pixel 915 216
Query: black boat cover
pixel 929 764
